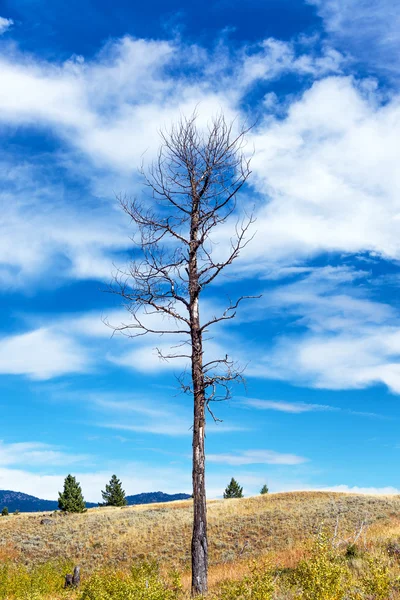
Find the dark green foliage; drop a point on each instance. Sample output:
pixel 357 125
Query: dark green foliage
pixel 233 490
pixel 114 495
pixel 264 489
pixel 71 499
pixel 352 551
pixel 4 512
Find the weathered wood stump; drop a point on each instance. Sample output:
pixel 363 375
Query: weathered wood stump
pixel 73 580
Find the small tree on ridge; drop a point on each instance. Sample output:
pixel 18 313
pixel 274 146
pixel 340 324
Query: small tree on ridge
pixel 264 489
pixel 71 499
pixel 233 490
pixel 114 495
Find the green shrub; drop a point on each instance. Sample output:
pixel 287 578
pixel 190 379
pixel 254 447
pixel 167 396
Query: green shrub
pixel 144 583
pixel 376 581
pixel 352 551
pixel 323 576
pixel 18 582
pixel 4 512
pixel 257 586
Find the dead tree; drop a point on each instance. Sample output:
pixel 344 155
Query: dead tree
pixel 193 187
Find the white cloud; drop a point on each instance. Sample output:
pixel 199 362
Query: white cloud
pixel 349 340
pixel 48 237
pixel 149 415
pixel 36 454
pixel 142 415
pixel 254 457
pixel 328 174
pixel 5 24
pixel 369 29
pixel 284 406
pixel 41 354
pixel 327 189
pixel 302 407
pixel 373 491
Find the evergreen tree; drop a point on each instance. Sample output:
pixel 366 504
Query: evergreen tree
pixel 233 490
pixel 71 499
pixel 264 489
pixel 114 495
pixel 4 512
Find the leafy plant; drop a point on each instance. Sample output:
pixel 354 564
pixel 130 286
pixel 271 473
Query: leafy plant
pixel 376 581
pixel 323 576
pixel 143 583
pixel 257 586
pixel 4 512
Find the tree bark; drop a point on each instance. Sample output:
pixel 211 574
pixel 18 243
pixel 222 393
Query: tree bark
pixel 199 537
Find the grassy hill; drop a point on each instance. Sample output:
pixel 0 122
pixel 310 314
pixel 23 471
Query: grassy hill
pixel 277 526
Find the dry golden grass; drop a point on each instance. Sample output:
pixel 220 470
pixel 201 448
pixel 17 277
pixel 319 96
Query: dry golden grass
pixel 276 524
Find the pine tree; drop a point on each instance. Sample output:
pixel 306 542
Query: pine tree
pixel 264 489
pixel 114 495
pixel 4 512
pixel 233 490
pixel 71 499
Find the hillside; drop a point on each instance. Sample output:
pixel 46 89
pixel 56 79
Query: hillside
pixel 26 503
pixel 238 529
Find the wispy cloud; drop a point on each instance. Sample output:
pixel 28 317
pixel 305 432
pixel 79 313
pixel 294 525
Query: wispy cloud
pixel 5 24
pixel 303 407
pixel 148 415
pixel 366 28
pixel 283 406
pixel 41 354
pixel 37 454
pixel 254 457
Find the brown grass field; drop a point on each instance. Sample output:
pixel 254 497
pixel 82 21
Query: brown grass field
pixel 277 526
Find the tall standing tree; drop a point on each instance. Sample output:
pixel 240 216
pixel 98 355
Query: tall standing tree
pixel 193 186
pixel 71 499
pixel 114 495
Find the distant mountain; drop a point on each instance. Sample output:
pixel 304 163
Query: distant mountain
pixel 26 503
pixel 150 497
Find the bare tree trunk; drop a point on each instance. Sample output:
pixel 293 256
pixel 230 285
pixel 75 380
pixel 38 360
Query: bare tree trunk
pixel 199 537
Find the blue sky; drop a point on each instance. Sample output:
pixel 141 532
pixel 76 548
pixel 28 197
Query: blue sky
pixel 85 88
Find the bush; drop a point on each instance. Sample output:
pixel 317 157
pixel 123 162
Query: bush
pixel 323 576
pixel 4 512
pixel 376 581
pixel 144 583
pixel 21 583
pixel 257 586
pixel 352 551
